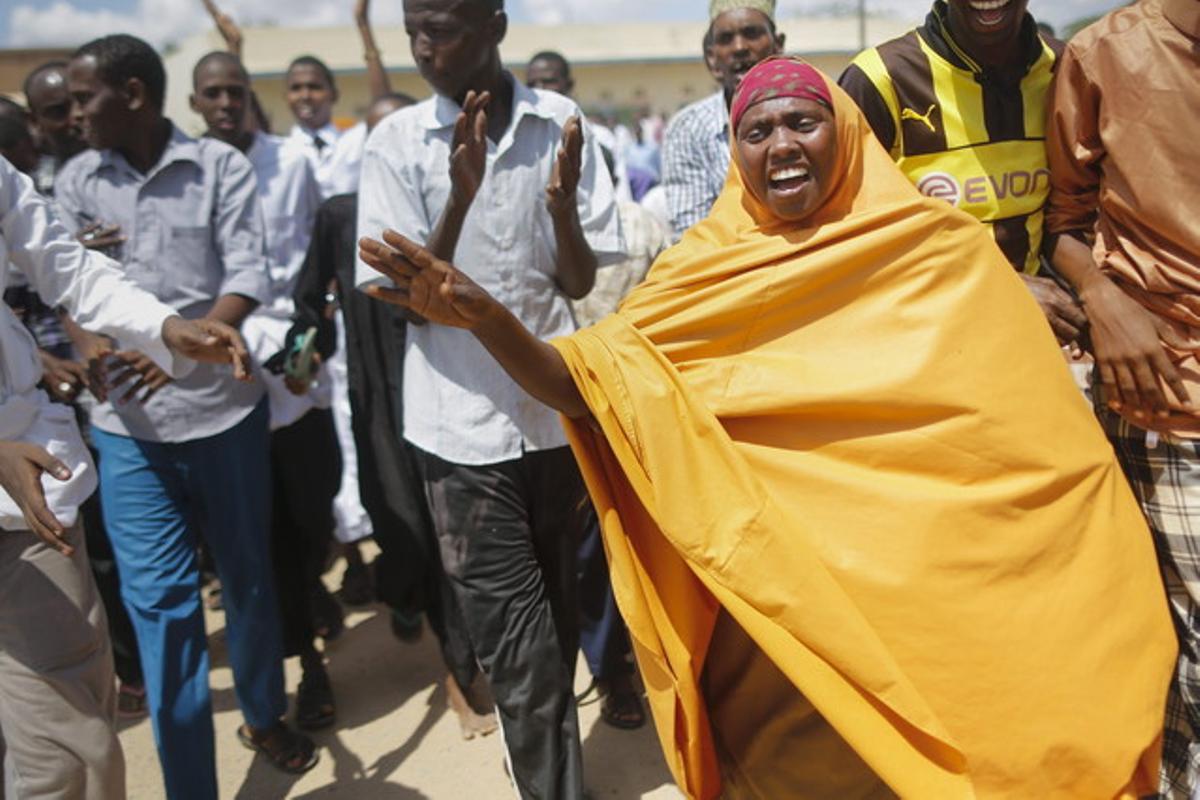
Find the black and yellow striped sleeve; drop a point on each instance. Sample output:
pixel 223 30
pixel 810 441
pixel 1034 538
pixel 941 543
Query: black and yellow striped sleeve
pixel 856 83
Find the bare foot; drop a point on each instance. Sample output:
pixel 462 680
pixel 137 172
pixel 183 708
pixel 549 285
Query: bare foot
pixel 473 723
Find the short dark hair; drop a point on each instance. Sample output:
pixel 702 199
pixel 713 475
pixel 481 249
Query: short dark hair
pixel 121 57
pixel 223 56
pixel 11 109
pixel 13 131
pixel 396 97
pixel 41 69
pixel 554 57
pixel 315 63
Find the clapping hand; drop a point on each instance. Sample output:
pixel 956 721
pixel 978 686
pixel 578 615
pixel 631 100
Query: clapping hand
pixel 425 284
pixel 468 148
pixel 564 180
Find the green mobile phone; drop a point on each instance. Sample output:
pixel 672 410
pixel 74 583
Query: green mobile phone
pixel 299 364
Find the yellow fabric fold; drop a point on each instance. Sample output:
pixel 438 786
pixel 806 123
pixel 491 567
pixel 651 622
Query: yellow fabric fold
pixel 857 436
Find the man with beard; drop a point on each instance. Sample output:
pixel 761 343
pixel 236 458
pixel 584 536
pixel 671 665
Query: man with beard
pixel 57 131
pixel 695 151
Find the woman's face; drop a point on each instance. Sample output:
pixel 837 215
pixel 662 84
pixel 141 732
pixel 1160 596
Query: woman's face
pixel 787 147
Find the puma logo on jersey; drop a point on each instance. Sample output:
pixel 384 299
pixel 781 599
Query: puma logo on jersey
pixel 908 113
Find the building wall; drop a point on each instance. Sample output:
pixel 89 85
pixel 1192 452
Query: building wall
pixel 16 64
pixel 662 87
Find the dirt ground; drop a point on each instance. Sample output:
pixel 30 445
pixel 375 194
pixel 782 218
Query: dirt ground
pixel 395 738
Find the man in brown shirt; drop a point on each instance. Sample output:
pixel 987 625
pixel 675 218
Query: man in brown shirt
pixel 1125 186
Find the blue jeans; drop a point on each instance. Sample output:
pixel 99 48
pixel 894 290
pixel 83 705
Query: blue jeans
pixel 157 498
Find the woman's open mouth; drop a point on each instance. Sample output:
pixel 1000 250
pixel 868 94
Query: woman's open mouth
pixel 787 180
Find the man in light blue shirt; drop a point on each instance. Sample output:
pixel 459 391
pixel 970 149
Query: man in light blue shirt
pixel 178 457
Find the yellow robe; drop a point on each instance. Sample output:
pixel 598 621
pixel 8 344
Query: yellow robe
pixel 858 438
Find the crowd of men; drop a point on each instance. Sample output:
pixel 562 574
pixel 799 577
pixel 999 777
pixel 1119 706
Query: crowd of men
pixel 363 421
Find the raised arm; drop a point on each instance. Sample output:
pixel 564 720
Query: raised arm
pixel 434 289
pixel 228 29
pixel 575 269
pixel 377 77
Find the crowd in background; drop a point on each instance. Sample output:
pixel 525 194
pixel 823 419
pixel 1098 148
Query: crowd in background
pixel 368 419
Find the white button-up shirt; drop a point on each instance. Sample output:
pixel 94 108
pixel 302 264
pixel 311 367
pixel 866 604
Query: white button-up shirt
pixel 337 164
pixel 194 232
pixel 94 292
pixel 290 198
pixel 459 404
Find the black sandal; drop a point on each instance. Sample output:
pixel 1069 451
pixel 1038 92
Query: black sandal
pixel 622 708
pixel 315 708
pixel 291 752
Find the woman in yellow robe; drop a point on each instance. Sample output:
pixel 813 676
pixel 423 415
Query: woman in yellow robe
pixel 866 534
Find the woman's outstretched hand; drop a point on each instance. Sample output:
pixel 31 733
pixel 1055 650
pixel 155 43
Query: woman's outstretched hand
pixel 425 284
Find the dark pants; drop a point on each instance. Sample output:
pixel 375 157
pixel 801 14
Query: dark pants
pixel 306 469
pixel 602 633
pixel 507 534
pixel 108 583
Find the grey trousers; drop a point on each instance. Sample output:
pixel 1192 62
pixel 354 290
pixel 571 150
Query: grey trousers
pixel 57 695
pixel 507 534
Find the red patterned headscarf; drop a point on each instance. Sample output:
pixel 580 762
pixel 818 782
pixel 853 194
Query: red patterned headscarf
pixel 779 76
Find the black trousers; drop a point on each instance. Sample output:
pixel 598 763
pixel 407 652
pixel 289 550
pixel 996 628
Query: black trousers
pixel 507 534
pixel 603 635
pixel 306 469
pixel 126 660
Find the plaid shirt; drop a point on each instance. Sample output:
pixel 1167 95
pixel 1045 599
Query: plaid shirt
pixel 696 160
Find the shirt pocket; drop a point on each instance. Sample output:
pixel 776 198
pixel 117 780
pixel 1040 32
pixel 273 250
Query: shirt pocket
pixel 187 271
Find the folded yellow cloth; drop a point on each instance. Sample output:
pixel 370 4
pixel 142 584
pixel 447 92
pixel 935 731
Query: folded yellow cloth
pixel 858 437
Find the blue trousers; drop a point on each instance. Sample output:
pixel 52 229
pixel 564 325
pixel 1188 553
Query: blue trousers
pixel 157 498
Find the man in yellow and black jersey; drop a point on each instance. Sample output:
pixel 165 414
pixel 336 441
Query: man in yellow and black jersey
pixel 960 104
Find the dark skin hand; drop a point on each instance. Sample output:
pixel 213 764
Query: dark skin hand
pixel 21 468
pixel 468 166
pixel 442 294
pixel 58 373
pixel 99 236
pixel 1136 371
pixel 576 271
pixel 207 340
pixel 1065 316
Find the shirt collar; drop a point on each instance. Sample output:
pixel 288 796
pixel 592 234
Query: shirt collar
pixel 936 31
pixel 443 111
pixel 1185 15
pixel 180 147
pixel 328 132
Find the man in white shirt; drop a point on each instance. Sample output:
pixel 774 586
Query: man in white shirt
pixel 57 694
pixel 336 158
pixel 305 463
pixel 335 155
pixel 533 222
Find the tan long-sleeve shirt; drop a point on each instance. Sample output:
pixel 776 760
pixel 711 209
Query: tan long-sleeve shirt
pixel 1124 152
